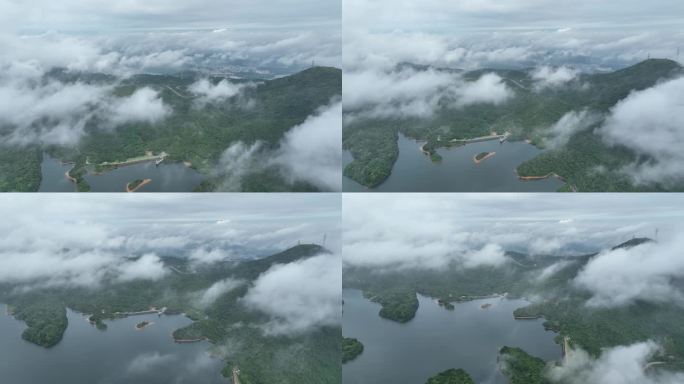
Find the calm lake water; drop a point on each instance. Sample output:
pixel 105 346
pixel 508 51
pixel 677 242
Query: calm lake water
pixel 437 339
pixel 53 178
pixel 118 355
pixel 167 177
pixel 415 172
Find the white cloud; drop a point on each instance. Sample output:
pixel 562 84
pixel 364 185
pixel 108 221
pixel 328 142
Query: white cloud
pixel 220 91
pixel 312 151
pixel 237 161
pixel 552 270
pixel 650 123
pixel 416 93
pixel 146 267
pixel 98 241
pixel 547 76
pixel 218 289
pixel 53 113
pixel 403 92
pixel 617 365
pixel 622 276
pixel 489 255
pixel 428 231
pixel 568 125
pixel 208 256
pixel 299 296
pixel 57 113
pixel 143 105
pixel 489 88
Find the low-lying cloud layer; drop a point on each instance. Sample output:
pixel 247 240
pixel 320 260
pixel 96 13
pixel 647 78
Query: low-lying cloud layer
pixel 395 232
pixel 650 123
pixel 264 39
pixel 617 365
pixel 646 272
pixel 218 289
pixel 546 76
pixel 408 92
pixel 310 152
pixel 113 238
pixel 210 92
pixel 568 125
pixel 57 113
pixel 299 296
pixel 520 34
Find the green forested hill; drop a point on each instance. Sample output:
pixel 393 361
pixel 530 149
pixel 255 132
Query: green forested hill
pixel 451 376
pixel 529 114
pixel 309 358
pixel 194 132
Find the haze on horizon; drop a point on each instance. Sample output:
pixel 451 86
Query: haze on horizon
pixel 272 37
pixel 76 240
pixel 432 230
pixel 511 34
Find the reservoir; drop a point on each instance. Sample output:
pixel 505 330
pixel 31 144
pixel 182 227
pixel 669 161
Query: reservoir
pixel 437 339
pixel 457 172
pixel 120 354
pixel 167 177
pixel 53 177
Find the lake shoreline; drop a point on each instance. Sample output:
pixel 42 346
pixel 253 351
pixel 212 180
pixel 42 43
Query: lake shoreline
pixel 455 167
pixel 437 339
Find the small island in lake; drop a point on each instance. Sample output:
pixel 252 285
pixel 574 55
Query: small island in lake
pixel 445 304
pixel 482 156
pixel 137 184
pixel 521 368
pixel 141 325
pixel 351 349
pixel 485 305
pixel 451 376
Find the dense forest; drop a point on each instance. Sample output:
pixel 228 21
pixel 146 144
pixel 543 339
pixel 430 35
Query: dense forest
pixel 451 376
pixel 351 348
pixel 312 357
pixel 195 133
pixel 521 368
pixel 529 115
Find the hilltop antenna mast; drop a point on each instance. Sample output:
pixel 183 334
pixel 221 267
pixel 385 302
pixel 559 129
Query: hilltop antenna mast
pixel 325 235
pixel 656 234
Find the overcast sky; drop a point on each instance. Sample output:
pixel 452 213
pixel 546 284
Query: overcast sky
pixel 131 36
pixel 475 33
pixel 259 221
pixel 102 16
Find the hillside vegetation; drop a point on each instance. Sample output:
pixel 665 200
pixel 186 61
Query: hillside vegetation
pixel 557 300
pixel 529 114
pixel 195 132
pixel 309 358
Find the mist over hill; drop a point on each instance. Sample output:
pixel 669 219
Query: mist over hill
pixel 581 120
